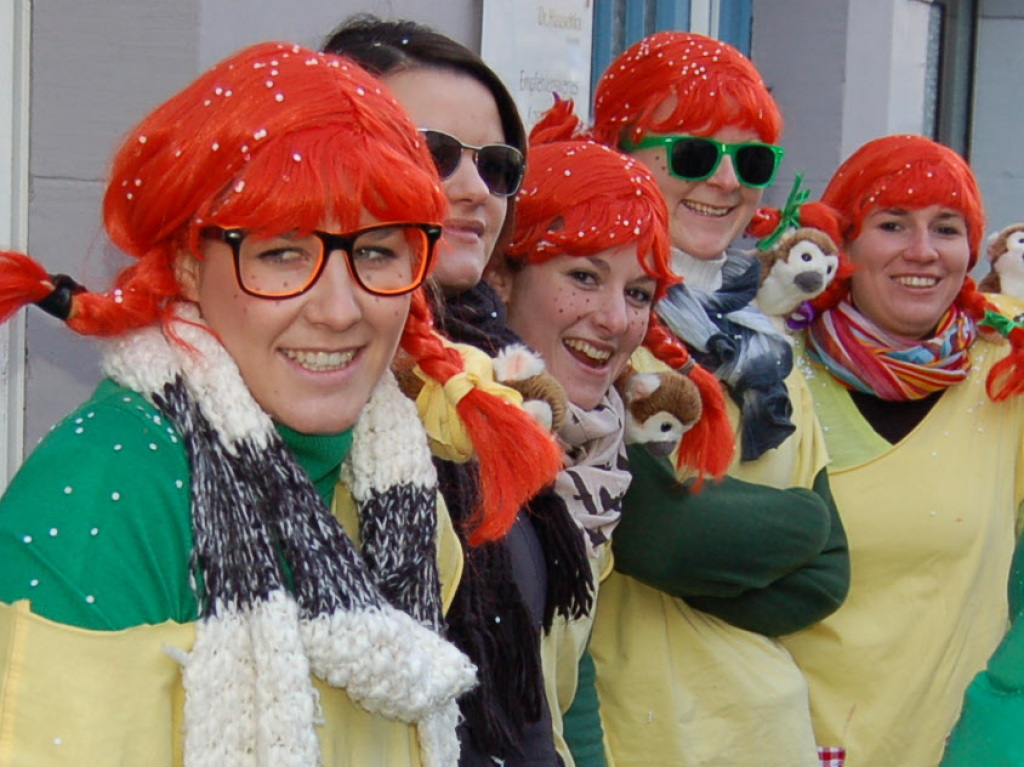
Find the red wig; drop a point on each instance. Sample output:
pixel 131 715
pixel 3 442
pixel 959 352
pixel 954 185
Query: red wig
pixel 682 82
pixel 905 171
pixel 579 198
pixel 276 139
pixel 913 172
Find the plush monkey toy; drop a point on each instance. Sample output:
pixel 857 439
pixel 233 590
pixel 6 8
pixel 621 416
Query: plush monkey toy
pixel 1006 259
pixel 795 269
pixel 543 397
pixel 799 255
pixel 660 408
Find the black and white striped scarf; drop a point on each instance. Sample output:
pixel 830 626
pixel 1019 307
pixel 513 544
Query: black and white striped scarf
pixel 366 622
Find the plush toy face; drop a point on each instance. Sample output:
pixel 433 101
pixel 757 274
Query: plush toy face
pixel 797 269
pixel 543 397
pixel 660 409
pixel 1007 255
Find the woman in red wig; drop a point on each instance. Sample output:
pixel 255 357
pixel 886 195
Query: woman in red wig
pixel 689 669
pixel 918 392
pixel 587 262
pixel 232 553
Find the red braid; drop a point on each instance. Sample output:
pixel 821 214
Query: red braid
pixel 517 458
pixel 707 447
pixel 1006 379
pixel 22 282
pixel 558 123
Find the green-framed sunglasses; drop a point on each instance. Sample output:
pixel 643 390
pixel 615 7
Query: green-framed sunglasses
pixel 695 158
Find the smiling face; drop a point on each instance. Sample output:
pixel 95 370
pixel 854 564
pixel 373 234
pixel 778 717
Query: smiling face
pixel 311 361
pixel 909 267
pixel 584 315
pixel 462 107
pixel 705 217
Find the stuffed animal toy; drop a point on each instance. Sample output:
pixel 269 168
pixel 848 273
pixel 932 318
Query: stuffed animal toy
pixel 1006 258
pixel 799 255
pixel 516 367
pixel 795 269
pixel 543 397
pixel 660 408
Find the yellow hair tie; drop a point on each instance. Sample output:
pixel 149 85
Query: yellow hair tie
pixel 458 386
pixel 437 403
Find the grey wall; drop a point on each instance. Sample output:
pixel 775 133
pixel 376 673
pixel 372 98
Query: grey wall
pixel 997 142
pixel 97 68
pixel 800 49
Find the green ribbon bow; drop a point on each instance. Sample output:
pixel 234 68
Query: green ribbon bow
pixel 999 323
pixel 790 216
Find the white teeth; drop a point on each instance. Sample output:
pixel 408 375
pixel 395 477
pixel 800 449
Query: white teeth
pixel 706 210
pixel 600 355
pixel 320 361
pixel 917 282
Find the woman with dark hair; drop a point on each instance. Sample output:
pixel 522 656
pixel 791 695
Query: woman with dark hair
pixel 514 586
pixel 233 553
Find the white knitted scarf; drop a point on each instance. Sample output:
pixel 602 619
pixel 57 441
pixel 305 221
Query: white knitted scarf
pixel 366 622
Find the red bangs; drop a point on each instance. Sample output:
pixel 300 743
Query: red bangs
pixel 906 171
pixel 322 175
pixel 226 147
pixel 713 86
pixel 580 198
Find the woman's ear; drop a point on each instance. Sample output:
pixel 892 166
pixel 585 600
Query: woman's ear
pixel 186 272
pixel 501 277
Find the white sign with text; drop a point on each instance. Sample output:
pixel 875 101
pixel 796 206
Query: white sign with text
pixel 539 49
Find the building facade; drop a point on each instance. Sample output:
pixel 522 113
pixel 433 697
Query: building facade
pixel 79 75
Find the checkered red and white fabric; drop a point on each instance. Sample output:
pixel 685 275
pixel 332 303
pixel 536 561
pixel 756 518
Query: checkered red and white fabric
pixel 831 756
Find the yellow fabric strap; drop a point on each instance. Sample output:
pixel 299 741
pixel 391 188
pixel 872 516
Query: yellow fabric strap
pixel 437 403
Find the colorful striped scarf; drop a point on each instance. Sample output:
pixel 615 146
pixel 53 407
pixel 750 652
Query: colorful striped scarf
pixel 868 359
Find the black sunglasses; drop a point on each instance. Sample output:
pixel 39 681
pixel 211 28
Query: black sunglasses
pixel 695 158
pixel 500 166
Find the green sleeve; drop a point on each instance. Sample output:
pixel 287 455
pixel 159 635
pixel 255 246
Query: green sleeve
pixel 713 542
pixel 95 527
pixel 990 730
pixel 581 724
pixel 711 547
pixel 798 599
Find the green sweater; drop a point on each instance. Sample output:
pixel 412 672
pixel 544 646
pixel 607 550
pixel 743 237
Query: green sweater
pixel 95 528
